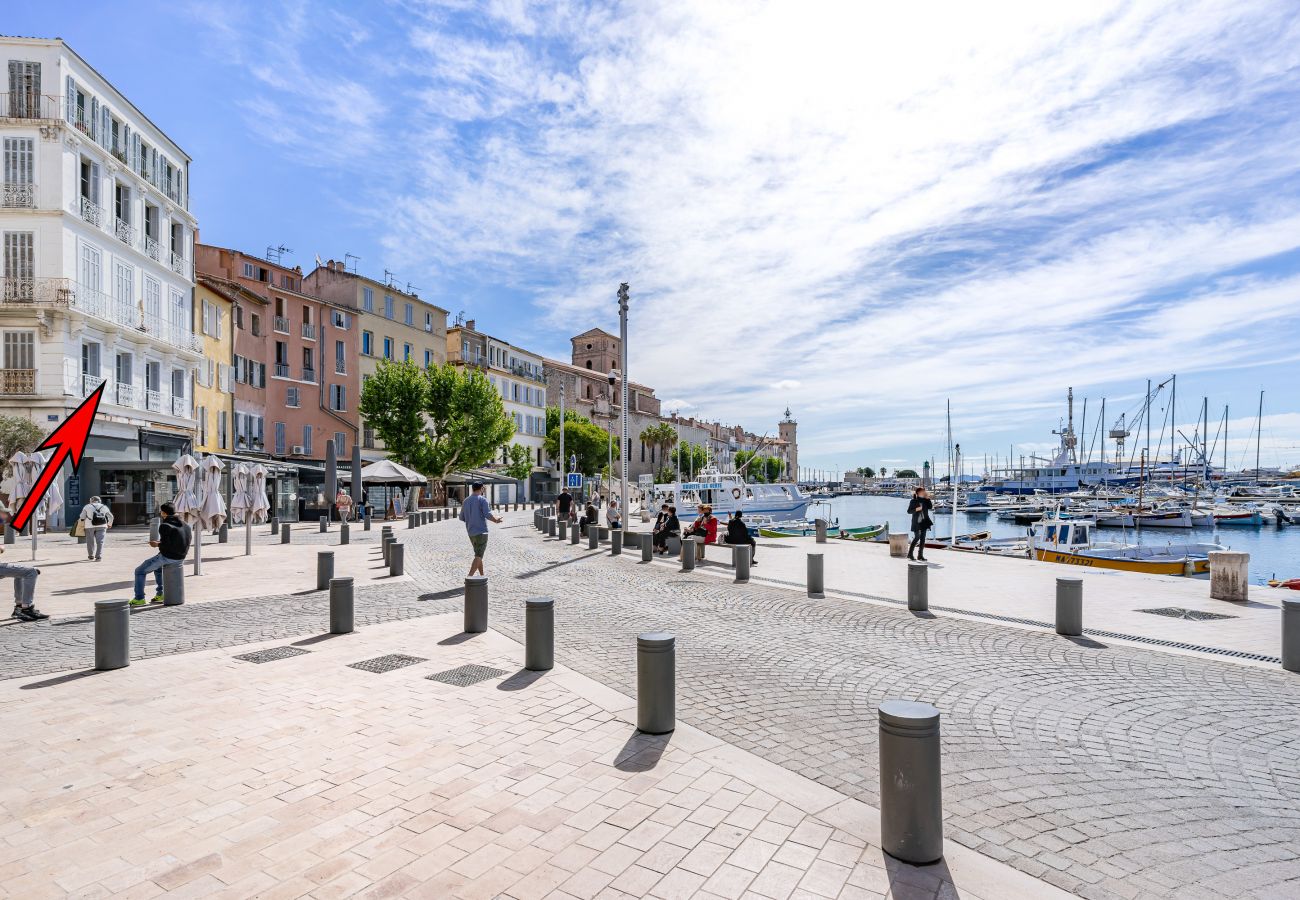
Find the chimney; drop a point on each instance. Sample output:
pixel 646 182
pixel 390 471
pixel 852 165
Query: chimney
pixel 469 323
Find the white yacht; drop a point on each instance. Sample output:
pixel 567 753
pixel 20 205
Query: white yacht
pixel 727 492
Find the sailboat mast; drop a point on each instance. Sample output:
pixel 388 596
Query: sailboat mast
pixel 1205 440
pixel 1148 414
pixel 1259 434
pixel 1173 422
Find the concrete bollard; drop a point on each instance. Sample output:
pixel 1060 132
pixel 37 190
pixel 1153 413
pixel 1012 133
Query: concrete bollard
pixel 918 590
pixel 593 537
pixel 1229 575
pixel 820 525
pixel 341 606
pixel 551 525
pixel 324 568
pixel 476 604
pixel 345 534
pixel 223 533
pixel 563 526
pixel 573 535
pixel 616 542
pixel 898 544
pixel 174 583
pixel 410 521
pixel 816 575
pixel 647 550
pixel 324 524
pixel 365 526
pixel 284 532
pixel 275 527
pixel 656 676
pixel 386 547
pixel 741 557
pixel 688 554
pixel 911 790
pixel 539 634
pixel 112 634
pixel 1069 606
pixel 1291 635
pixel 631 539
pixel 603 532
pixel 438 516
pixel 396 558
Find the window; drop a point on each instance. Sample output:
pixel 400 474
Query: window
pixel 90 270
pixel 368 437
pixel 223 427
pixel 25 89
pixel 306 439
pixel 340 358
pixel 340 320
pixel 201 413
pixel 388 306
pixel 279 439
pixel 153 301
pixel 308 366
pixel 368 299
pixel 428 321
pixel 388 348
pixel 428 358
pixel 123 371
pixel 20 266
pixel 249 271
pixel 239 317
pixel 255 323
pixel 286 282
pixel 406 352
pixel 19 168
pixel 293 397
pixel 206 310
pixel 152 376
pixel 90 186
pixel 340 444
pixel 124 284
pixel 90 359
pixel 368 343
pixel 338 397
pixel 410 314
pixel 178 384
pixel 19 350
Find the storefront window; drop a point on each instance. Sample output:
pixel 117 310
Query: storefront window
pixel 134 496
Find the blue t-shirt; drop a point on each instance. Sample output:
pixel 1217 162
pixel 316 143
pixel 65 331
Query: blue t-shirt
pixel 474 512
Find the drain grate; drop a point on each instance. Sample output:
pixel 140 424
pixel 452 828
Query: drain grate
pixel 386 663
pixel 271 654
pixel 464 676
pixel 1177 612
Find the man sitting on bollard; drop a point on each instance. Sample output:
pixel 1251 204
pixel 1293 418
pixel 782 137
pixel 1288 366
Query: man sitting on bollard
pixel 738 533
pixel 476 513
pixel 24 583
pixel 173 544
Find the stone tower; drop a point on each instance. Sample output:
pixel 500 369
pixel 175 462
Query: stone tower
pixel 788 428
pixel 596 350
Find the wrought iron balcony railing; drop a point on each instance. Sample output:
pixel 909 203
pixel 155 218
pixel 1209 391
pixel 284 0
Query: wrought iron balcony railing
pixel 125 232
pixel 308 331
pixel 92 212
pixel 280 324
pixel 19 195
pixel 17 382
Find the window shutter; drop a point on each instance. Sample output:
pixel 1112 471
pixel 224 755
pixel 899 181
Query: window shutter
pixel 105 126
pixel 94 183
pixel 135 153
pixel 126 142
pixel 70 101
pixel 94 119
pixel 153 165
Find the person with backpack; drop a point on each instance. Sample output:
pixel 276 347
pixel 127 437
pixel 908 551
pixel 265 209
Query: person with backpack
pixel 173 544
pixel 98 518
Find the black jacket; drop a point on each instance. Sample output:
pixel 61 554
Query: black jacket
pixel 173 538
pixel 565 501
pixel 670 526
pixel 919 509
pixel 737 533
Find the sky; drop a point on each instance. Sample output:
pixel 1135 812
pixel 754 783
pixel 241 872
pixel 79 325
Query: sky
pixel 862 212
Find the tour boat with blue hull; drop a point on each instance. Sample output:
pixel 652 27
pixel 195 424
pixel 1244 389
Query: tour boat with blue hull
pixel 727 492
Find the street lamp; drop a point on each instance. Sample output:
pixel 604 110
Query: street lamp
pixel 622 367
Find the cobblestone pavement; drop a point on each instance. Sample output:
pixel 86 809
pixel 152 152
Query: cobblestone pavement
pixel 1108 771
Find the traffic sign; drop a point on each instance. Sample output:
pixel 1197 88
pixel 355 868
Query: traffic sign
pixel 573 480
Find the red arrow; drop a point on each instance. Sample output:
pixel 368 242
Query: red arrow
pixel 68 440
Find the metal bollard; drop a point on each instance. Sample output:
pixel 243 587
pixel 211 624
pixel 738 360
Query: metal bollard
pixel 821 530
pixel 918 590
pixel 539 634
pixel 174 583
pixel 396 557
pixel 741 558
pixel 324 524
pixel 592 537
pixel 616 542
pixel 439 511
pixel 1069 606
pixel 341 606
pixel 324 568
pixel 1291 635
pixel 656 675
pixel 345 534
pixel 366 522
pixel 388 541
pixel 688 554
pixel 551 525
pixel 410 521
pixel 112 634
pixel 563 526
pixel 476 604
pixel 284 532
pixel 647 550
pixel 816 575
pixel 911 791
pixel 223 533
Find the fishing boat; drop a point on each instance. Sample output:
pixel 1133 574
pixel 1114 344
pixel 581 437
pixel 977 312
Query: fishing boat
pixel 809 529
pixel 1290 583
pixel 1163 517
pixel 867 533
pixel 1238 516
pixel 943 543
pixel 1069 542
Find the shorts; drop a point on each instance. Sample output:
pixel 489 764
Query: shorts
pixel 479 543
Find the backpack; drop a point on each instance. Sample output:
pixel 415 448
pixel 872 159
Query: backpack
pixel 98 515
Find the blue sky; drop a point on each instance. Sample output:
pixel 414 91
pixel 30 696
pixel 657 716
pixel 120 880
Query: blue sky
pixel 858 213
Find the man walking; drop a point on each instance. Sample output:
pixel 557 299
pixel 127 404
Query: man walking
pixel 476 513
pixel 173 544
pixel 98 518
pixel 24 584
pixel 565 503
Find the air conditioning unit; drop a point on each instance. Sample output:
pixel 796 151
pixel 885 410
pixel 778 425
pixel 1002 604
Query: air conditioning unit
pixel 299 450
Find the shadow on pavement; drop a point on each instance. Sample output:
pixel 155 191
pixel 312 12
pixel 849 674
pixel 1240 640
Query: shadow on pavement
pixel 568 562
pixel 1087 642
pixel 52 682
pixel 907 880
pixel 923 614
pixel 442 595
pixel 456 639
pixel 641 753
pixel 520 680
pixel 316 639
pixel 106 586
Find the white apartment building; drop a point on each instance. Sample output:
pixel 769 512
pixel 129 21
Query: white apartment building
pixel 97 271
pixel 518 375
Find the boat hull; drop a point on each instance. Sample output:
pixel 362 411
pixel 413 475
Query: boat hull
pixel 1149 566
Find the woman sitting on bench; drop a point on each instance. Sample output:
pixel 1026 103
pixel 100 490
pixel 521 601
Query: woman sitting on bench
pixel 669 527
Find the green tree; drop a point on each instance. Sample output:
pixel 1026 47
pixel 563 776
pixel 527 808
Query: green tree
pixel 520 464
pixel 905 473
pixel 773 466
pixel 467 421
pixel 745 465
pixel 393 401
pixel 693 457
pixel 665 475
pixel 18 433
pixel 585 440
pixel 660 437
pixel 570 415
pixel 866 471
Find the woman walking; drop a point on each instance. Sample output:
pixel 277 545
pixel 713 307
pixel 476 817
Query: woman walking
pixel 919 509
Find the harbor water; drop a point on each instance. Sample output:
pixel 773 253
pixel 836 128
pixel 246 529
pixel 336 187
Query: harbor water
pixel 1274 552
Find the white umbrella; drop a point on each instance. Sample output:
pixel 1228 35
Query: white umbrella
pixel 386 472
pixel 186 501
pixel 212 508
pixel 240 478
pixel 261 508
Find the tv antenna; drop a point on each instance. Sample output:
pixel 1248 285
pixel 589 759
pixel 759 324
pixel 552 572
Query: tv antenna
pixel 411 289
pixel 276 254
pixel 460 318
pixel 389 278
pixel 346 257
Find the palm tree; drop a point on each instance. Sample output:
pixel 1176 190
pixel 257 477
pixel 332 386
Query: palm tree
pixel 662 437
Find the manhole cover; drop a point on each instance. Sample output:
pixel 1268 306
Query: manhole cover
pixel 1177 612
pixel 271 654
pixel 464 676
pixel 386 663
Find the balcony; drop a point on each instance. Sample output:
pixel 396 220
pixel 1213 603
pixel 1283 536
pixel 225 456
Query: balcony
pixel 152 250
pixel 456 358
pixel 133 397
pixel 96 303
pixel 124 394
pixel 181 407
pixel 19 196
pixel 43 291
pixel 178 263
pixel 309 375
pixel 340 367
pixel 280 324
pixel 17 382
pixel 125 232
pixel 281 370
pixel 153 401
pixel 308 331
pixel 92 212
pixel 28 106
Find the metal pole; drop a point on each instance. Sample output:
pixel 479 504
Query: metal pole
pixel 564 468
pixel 622 368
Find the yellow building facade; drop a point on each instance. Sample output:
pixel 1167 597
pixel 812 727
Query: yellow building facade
pixel 214 383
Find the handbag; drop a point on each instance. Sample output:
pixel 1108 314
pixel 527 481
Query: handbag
pixel 79 530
